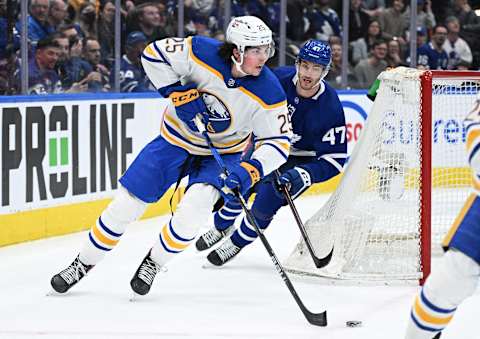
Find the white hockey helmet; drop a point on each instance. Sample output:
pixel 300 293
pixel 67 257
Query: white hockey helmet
pixel 249 31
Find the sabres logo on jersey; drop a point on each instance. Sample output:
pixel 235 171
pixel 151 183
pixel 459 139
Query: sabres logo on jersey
pixel 219 116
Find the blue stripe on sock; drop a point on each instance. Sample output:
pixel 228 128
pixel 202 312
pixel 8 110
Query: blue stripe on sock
pixel 247 230
pixel 222 224
pixel 165 246
pixel 425 328
pixel 238 240
pixel 100 247
pixel 102 225
pixel 433 307
pixel 175 234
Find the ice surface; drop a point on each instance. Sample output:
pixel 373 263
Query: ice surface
pixel 244 299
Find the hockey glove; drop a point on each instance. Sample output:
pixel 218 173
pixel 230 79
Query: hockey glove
pixel 188 103
pixel 297 180
pixel 242 177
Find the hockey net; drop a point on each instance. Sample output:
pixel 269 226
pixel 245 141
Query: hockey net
pixel 403 186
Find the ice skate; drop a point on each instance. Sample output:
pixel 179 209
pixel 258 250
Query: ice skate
pixel 210 238
pixel 143 278
pixel 226 252
pixel 64 280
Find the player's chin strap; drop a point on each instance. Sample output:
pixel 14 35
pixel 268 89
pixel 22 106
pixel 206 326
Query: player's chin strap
pixel 238 65
pixel 318 319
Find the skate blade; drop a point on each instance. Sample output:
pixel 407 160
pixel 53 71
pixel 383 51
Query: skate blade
pixel 53 293
pixel 209 266
pixel 135 297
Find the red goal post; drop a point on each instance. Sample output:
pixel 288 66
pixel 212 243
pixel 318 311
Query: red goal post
pixel 427 79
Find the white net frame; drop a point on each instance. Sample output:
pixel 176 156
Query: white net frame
pixel 403 186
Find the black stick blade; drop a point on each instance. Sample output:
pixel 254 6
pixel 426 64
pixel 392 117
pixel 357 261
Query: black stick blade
pixel 317 319
pixel 322 262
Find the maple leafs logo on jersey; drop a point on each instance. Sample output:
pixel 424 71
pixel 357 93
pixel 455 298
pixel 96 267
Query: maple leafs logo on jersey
pixel 295 138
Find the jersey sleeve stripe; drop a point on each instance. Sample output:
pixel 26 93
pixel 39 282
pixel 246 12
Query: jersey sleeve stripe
pixel 458 220
pixel 333 162
pixel 285 156
pixel 260 101
pixel 472 152
pixel 472 136
pixel 200 62
pixel 335 155
pixel 273 138
pixel 160 54
pixel 151 59
pixel 285 146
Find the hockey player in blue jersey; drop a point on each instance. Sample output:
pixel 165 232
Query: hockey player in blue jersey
pixel 236 96
pixel 318 152
pixel 458 272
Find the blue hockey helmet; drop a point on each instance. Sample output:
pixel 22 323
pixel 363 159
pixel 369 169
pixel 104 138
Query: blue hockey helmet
pixel 316 51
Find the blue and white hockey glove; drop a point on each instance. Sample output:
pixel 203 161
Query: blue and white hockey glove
pixel 188 103
pixel 242 177
pixel 297 180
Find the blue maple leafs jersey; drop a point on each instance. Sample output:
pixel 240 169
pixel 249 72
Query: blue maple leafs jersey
pixel 319 130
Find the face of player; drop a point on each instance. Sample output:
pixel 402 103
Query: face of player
pixel 254 59
pixel 309 74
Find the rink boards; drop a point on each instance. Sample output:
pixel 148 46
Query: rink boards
pixel 62 156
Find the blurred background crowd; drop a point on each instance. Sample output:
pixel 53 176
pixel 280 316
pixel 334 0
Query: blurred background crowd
pixel 71 42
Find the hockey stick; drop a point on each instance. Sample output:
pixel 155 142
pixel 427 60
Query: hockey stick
pixel 319 262
pixel 318 319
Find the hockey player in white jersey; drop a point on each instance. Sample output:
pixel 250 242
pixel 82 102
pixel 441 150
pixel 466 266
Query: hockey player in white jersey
pixel 236 96
pixel 319 151
pixel 458 273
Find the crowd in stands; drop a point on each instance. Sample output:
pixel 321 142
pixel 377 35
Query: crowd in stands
pixel 71 42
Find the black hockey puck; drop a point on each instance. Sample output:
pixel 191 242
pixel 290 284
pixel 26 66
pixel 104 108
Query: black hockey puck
pixel 353 323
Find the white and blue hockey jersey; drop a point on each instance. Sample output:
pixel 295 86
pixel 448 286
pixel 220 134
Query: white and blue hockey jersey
pixel 319 129
pixel 237 106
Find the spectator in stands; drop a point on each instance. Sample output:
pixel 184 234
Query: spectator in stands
pixel 42 75
pixel 295 23
pixel 9 66
pixel 432 55
pixel 394 58
pixel 373 7
pixel 425 17
pixel 38 27
pixel 132 75
pixel 78 75
pixel 393 22
pixel 146 18
pixel 88 20
pixel 362 46
pixel 359 21
pixel 323 21
pixel 57 13
pixel 457 49
pixel 74 38
pixel 106 31
pixel 368 69
pixel 334 76
pixel 469 28
pixel 92 54
pixel 8 36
